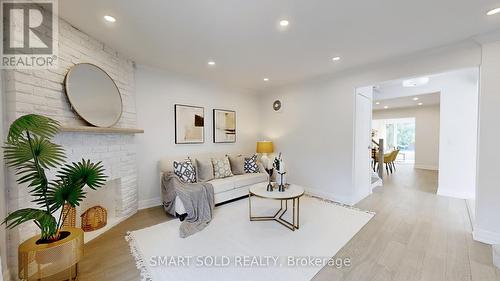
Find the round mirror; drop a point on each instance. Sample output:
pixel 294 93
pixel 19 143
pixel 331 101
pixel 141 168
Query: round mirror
pixel 93 95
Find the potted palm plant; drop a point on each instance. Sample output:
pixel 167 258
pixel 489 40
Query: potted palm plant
pixel 30 152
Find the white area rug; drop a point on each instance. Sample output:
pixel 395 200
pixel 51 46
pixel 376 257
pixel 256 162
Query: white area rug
pixel 233 248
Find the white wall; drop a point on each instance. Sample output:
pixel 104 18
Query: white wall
pixel 487 228
pixel 459 94
pixel 426 132
pixel 318 117
pixel 458 141
pixel 157 92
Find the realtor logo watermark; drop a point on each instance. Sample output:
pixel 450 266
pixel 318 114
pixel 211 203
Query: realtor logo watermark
pixel 30 34
pixel 249 261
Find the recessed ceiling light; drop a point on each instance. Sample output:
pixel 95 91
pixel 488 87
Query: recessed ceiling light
pixel 284 23
pixel 493 12
pixel 335 58
pixel 386 107
pixel 415 99
pixel 415 82
pixel 266 79
pixel 420 103
pixel 211 63
pixel 109 18
pixel 377 103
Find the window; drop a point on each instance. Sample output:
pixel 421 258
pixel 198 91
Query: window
pixel 397 134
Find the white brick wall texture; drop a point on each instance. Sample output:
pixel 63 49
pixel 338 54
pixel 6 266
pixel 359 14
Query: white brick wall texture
pixel 42 92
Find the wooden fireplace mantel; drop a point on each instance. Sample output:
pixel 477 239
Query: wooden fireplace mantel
pixel 98 130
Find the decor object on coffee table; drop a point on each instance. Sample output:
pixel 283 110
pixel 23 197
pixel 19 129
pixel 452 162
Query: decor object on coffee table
pixel 270 173
pixel 279 165
pixel 265 148
pixel 293 192
pixel 189 124
pixel 93 95
pixel 94 218
pixel 30 152
pixel 224 126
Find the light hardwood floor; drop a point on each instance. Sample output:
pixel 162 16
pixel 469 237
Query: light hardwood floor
pixel 415 235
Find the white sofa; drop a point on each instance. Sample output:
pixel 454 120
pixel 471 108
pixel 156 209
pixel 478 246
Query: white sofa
pixel 225 189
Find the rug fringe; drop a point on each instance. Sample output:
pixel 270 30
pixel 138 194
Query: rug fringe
pixel 140 263
pixel 339 204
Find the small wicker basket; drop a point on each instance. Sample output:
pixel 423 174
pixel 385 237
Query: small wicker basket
pixel 94 218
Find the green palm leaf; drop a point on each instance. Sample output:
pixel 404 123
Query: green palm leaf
pixel 41 126
pixel 48 154
pixel 29 150
pixel 85 173
pixel 43 219
pixel 63 192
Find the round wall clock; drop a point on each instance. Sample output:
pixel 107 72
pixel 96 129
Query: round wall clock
pixel 277 105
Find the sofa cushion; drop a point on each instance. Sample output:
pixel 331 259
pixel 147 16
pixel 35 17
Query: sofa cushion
pixel 185 171
pixel 248 179
pixel 221 185
pixel 204 169
pixel 222 167
pixel 251 164
pixel 237 164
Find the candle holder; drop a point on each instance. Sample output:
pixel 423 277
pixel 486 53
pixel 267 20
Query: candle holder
pixel 281 187
pixel 270 173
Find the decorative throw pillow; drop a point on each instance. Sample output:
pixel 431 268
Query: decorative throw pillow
pixel 204 169
pixel 251 165
pixel 185 171
pixel 237 164
pixel 222 168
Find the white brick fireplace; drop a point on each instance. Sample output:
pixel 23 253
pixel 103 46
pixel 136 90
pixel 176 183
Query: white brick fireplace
pixel 42 92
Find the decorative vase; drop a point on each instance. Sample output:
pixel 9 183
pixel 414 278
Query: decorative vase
pixel 41 260
pixel 270 173
pixel 281 186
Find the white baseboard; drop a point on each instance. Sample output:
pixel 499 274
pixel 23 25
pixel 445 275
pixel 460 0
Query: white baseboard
pixel 446 192
pixel 149 203
pixel 496 255
pixel 6 275
pixel 329 196
pixel 485 236
pixel 426 167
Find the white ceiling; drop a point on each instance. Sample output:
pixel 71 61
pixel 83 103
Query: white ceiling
pixel 437 82
pixel 394 95
pixel 403 102
pixel 244 39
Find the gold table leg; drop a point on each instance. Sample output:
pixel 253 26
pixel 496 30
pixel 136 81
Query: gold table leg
pixel 278 217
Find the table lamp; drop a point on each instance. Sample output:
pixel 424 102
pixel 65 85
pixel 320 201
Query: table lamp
pixel 265 147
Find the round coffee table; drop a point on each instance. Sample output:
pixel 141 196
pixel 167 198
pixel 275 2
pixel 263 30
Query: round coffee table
pixel 292 192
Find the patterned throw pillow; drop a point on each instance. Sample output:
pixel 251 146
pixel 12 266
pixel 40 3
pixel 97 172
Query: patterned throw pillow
pixel 251 165
pixel 185 171
pixel 222 168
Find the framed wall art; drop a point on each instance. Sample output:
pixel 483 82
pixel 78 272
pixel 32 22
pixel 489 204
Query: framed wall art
pixel 224 126
pixel 189 124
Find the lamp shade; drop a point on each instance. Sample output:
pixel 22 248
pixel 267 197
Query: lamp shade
pixel 265 147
